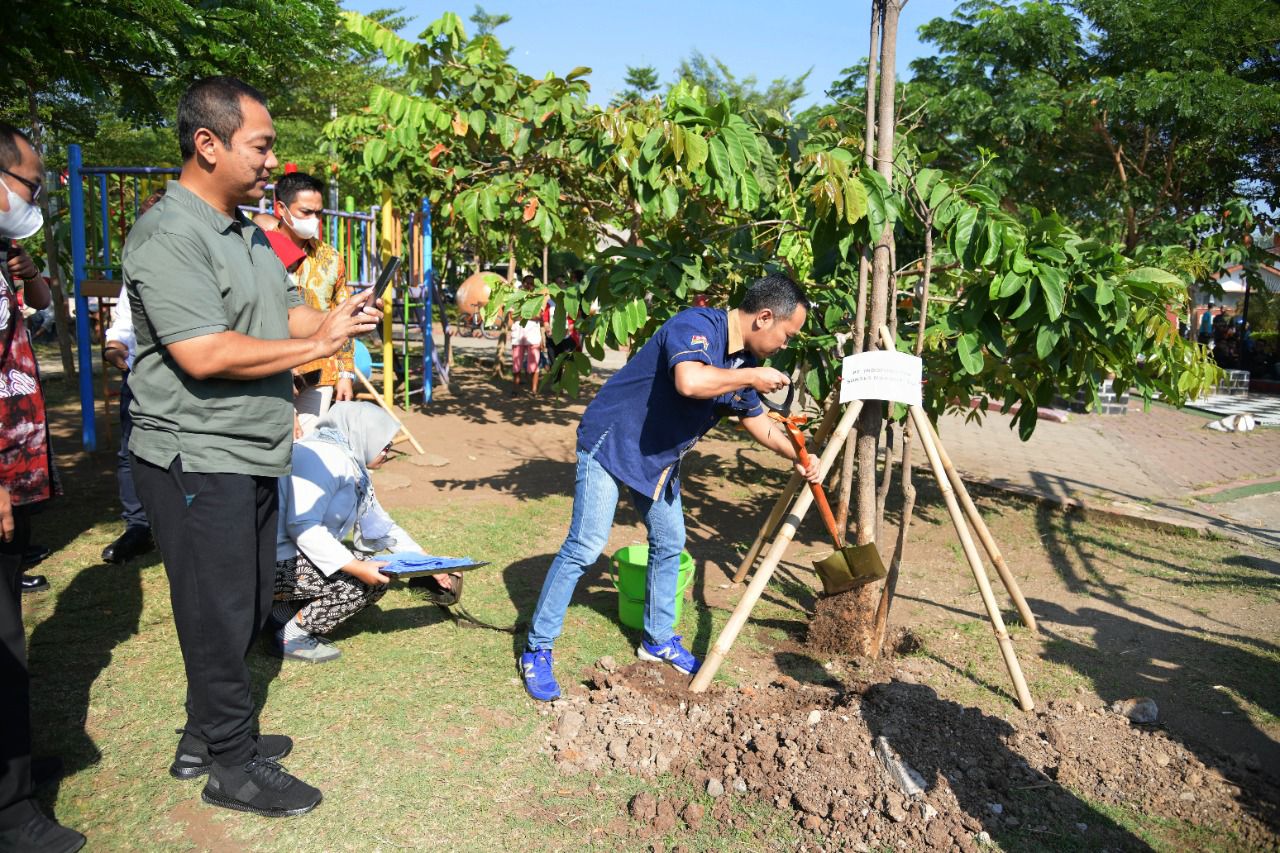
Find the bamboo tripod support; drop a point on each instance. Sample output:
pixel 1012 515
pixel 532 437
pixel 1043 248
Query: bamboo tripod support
pixel 761 578
pixel 949 483
pixel 944 474
pixel 775 515
pixel 984 534
pixel 975 562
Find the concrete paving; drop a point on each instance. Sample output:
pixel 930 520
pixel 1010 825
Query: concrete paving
pixel 1156 466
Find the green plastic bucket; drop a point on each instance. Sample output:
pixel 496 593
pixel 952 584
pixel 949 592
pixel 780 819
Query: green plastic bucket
pixel 629 568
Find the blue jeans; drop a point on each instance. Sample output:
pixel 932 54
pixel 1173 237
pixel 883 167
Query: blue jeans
pixel 595 498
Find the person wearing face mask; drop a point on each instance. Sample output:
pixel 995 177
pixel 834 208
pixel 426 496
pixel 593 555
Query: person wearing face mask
pixel 26 482
pixel 321 277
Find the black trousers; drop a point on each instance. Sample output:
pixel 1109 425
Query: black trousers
pixel 16 805
pixel 133 515
pixel 217 535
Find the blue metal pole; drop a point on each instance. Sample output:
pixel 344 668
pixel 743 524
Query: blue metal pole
pixel 75 188
pixel 428 285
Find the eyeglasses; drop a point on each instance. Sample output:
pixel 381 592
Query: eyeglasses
pixel 36 187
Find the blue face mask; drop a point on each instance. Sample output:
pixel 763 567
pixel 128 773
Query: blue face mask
pixel 22 219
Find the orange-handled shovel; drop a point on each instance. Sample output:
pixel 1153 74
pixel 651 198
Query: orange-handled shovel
pixel 848 567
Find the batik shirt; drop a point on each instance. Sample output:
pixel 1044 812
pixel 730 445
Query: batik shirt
pixel 26 468
pixel 321 277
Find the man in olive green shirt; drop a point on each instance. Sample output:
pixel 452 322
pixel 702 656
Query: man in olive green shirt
pixel 219 328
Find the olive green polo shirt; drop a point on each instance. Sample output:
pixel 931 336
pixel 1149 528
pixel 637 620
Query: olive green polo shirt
pixel 191 270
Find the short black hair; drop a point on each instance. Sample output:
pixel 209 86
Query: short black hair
pixel 776 292
pixel 10 153
pixel 212 103
pixel 288 187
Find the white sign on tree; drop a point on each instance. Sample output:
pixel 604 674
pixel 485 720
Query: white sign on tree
pixel 881 375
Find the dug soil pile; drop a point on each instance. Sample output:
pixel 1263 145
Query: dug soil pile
pixel 828 757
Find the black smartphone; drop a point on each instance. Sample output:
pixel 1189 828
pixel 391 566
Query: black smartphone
pixel 383 282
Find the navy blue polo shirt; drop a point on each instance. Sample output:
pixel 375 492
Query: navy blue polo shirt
pixel 642 425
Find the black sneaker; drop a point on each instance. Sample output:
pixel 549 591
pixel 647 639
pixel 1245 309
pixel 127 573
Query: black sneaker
pixel 191 759
pixel 260 786
pixel 41 835
pixel 34 583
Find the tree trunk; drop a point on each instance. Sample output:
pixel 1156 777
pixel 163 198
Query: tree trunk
pixel 908 485
pixel 856 609
pixel 60 312
pixel 505 327
pixel 864 271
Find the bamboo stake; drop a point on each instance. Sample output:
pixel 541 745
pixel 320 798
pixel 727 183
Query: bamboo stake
pixel 368 386
pixel 975 562
pixel 789 492
pixel 761 579
pixel 775 517
pixel 984 535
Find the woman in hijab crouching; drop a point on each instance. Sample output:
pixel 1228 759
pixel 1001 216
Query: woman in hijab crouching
pixel 320 582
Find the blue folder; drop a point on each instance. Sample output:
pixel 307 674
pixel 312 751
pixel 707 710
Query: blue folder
pixel 409 564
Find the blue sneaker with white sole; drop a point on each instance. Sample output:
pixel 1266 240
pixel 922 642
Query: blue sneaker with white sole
pixel 669 652
pixel 539 680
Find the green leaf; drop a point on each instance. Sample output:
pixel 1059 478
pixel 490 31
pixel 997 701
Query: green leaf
pixel 737 152
pixel 670 201
pixel 1011 284
pixel 477 121
pixel 375 153
pixel 1049 253
pixel 855 201
pixel 834 314
pixel 1055 290
pixel 750 191
pixel 1104 295
pixel 994 240
pixel 719 158
pixel 962 235
pixel 970 352
pixel 1151 278
pixel 695 150
pixel 983 195
pixel 1046 338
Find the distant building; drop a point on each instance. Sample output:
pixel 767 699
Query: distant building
pixel 1231 280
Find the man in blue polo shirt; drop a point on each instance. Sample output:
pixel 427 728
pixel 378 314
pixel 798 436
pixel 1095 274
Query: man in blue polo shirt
pixel 699 367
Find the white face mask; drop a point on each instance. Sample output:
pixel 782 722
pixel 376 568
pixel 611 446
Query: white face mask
pixel 306 227
pixel 22 219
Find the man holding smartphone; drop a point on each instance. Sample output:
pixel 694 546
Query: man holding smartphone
pixel 219 328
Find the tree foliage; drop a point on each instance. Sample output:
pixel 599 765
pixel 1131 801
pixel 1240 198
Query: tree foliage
pixel 702 193
pixel 136 56
pixel 719 81
pixel 1132 120
pixel 640 82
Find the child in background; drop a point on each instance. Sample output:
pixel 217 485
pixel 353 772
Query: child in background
pixel 526 347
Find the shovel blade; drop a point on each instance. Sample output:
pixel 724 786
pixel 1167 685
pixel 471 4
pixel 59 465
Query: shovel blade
pixel 849 568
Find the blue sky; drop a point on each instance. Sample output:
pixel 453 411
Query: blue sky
pixel 765 39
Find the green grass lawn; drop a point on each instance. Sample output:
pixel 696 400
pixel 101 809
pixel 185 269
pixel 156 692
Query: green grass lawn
pixel 421 736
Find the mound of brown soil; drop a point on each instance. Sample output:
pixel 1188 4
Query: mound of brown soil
pixel 828 758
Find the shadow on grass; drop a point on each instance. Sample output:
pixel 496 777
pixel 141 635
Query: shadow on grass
pixel 97 611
